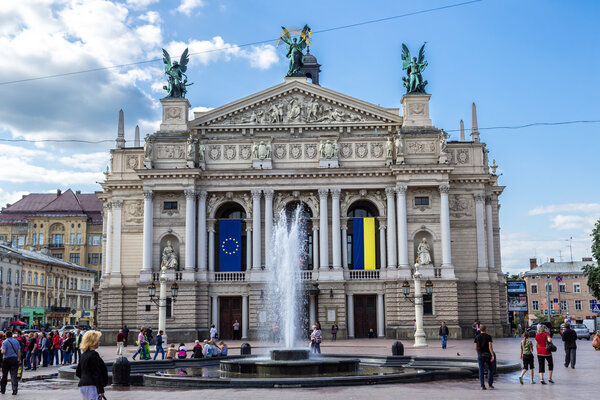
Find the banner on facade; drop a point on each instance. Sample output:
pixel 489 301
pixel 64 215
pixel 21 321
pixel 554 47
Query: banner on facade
pixel 230 245
pixel 363 239
pixel 517 295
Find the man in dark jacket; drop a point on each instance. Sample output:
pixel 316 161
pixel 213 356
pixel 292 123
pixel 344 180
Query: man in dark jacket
pixel 569 336
pixel 126 333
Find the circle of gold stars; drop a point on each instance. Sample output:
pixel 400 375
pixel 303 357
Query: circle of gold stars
pixel 224 243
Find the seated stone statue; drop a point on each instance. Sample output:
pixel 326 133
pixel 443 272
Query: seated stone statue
pixel 169 258
pixel 424 257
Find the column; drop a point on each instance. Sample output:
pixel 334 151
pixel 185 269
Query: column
pixel 382 246
pixel 335 228
pixel 402 227
pixel 380 316
pixel 211 246
pixel 315 247
pixel 202 253
pixel 324 228
pixel 256 245
pixel 116 250
pixel 350 316
pixel 109 243
pixel 268 223
pixel 445 225
pixel 214 315
pixel 480 229
pixel 245 317
pixel 345 245
pixel 148 231
pixel 490 232
pixel 420 336
pixel 312 309
pixel 391 229
pixel 190 230
pixel 248 246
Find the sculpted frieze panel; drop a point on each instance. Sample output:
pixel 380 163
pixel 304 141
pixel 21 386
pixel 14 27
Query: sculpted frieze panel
pixel 296 150
pixel 280 151
pixel 460 206
pixel 310 150
pixel 214 152
pixel 346 150
pixel 421 147
pixel 134 211
pixel 132 162
pixel 245 151
pixel 377 150
pixel 229 151
pixel 362 150
pixel 172 151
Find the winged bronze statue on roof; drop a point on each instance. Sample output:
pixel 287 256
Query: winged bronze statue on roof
pixel 176 74
pixel 414 82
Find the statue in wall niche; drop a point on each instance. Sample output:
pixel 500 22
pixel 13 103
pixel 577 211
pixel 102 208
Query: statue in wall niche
pixel 201 151
pixel 191 148
pixel 389 148
pixel 424 256
pixel 148 148
pixel 328 149
pixel 169 258
pixel 261 150
pixel 443 141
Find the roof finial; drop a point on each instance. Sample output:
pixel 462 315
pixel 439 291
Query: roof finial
pixel 462 131
pixel 136 140
pixel 120 142
pixel 474 129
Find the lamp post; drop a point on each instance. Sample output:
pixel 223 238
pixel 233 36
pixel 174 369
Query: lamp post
pixel 420 337
pixel 162 299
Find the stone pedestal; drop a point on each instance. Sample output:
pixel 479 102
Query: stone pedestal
pixel 262 164
pixel 329 163
pixel 416 110
pixel 174 116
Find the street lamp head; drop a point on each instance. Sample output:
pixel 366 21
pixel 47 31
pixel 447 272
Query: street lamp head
pixel 428 286
pixel 406 288
pixel 152 290
pixel 174 289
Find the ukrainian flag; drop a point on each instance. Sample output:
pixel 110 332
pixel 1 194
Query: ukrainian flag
pixel 363 238
pixel 230 245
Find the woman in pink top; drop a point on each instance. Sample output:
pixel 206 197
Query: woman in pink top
pixel 543 354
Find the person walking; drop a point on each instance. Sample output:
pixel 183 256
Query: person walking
pixel 126 333
pixel 141 342
pixel 11 359
pixel 236 330
pixel 120 342
pixel 213 332
pixel 159 345
pixel 444 332
pixel 77 345
pixel 485 357
pixel 542 338
pixel 30 358
pixel 527 357
pixel 569 336
pixel 334 331
pixel 91 370
pixel 315 339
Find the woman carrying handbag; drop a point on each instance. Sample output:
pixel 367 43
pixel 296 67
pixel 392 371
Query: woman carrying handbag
pixel 544 352
pixel 92 373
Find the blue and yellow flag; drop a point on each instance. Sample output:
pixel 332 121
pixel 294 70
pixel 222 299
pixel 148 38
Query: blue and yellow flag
pixel 230 245
pixel 363 238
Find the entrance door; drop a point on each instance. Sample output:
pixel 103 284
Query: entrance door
pixel 230 309
pixel 365 314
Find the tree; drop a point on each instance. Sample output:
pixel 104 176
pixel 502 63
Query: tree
pixel 514 277
pixel 592 272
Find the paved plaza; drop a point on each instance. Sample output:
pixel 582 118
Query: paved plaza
pixel 582 380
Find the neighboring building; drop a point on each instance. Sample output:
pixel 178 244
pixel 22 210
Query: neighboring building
pixel 571 297
pixel 10 288
pixel 53 292
pixel 359 171
pixel 68 223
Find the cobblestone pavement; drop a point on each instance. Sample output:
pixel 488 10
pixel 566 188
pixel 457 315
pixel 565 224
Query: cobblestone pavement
pixel 583 380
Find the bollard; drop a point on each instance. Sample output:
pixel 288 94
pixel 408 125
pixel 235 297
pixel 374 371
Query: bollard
pixel 398 348
pixel 121 371
pixel 245 349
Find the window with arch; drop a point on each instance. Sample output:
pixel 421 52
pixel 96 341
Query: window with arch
pixel 35 279
pixel 61 283
pixel 1 273
pixel 362 242
pixel 290 210
pixel 29 278
pixel 8 300
pixel 42 280
pixel 8 276
pixel 225 238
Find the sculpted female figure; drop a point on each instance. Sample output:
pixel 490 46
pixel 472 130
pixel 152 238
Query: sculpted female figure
pixel 424 257
pixel 169 258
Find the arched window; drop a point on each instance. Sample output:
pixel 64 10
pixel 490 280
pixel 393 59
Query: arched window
pixel 362 245
pixel 8 276
pixel 290 210
pixel 1 273
pixel 42 280
pixel 29 278
pixel 225 241
pixel 35 278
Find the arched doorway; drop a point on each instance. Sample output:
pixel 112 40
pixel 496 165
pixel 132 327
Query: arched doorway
pixel 362 240
pixel 230 217
pixel 290 209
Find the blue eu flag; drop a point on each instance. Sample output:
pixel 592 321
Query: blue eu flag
pixel 230 245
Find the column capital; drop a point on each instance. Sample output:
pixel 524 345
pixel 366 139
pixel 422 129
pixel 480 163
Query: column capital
pixel 117 204
pixel 107 205
pixel 256 194
pixel 148 194
pixel 401 189
pixel 323 192
pixel 315 228
pixel 335 192
pixel 444 188
pixel 389 191
pixel 488 199
pixel 382 227
pixel 190 193
pixel 202 194
pixel 268 193
pixel 479 197
pixel 248 228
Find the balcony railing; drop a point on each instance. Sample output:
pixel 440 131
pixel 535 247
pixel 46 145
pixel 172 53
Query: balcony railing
pixel 305 275
pixel 56 245
pixel 230 276
pixel 361 275
pixel 62 310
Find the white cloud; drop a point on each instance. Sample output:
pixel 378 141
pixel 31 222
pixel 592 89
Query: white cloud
pixel 87 162
pixel 263 57
pixel 187 6
pixel 573 222
pixel 152 17
pixel 21 171
pixel 571 207
pixel 10 197
pixel 141 3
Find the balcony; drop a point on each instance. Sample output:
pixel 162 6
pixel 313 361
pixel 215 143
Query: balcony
pixel 58 310
pixel 56 245
pixel 230 276
pixel 304 275
pixel 364 275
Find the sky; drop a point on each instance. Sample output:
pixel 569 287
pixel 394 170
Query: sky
pixel 521 62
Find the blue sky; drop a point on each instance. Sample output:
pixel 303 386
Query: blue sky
pixel 521 62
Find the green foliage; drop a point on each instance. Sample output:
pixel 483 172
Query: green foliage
pixel 514 277
pixel 592 272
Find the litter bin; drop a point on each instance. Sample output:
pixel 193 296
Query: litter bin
pixel 121 371
pixel 245 349
pixel 398 348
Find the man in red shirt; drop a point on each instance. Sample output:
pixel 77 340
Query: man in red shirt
pixel 120 340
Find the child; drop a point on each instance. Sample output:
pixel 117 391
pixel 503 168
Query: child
pixel 171 352
pixel 223 348
pixel 182 351
pixel 527 357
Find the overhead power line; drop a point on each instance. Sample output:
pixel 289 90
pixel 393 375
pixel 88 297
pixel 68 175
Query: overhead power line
pixel 374 21
pixel 451 130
